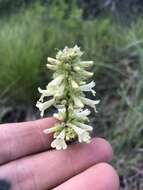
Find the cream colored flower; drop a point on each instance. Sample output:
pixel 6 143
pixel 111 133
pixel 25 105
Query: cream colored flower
pixel 56 90
pixel 56 82
pixel 53 61
pixel 50 91
pixel 43 106
pixel 87 73
pixel 45 93
pixel 74 84
pixel 52 67
pixel 83 135
pixel 66 91
pixel 88 87
pixel 61 114
pixel 51 129
pixel 68 53
pixel 91 103
pixel 59 143
pixel 78 102
pixel 86 63
pixel 84 126
pixel 81 114
pixel 77 68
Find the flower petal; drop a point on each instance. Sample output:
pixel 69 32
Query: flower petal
pixel 44 94
pixel 61 114
pixel 52 67
pixel 59 143
pixel 87 73
pixel 81 115
pixel 74 84
pixel 51 129
pixel 52 60
pixel 91 103
pixel 88 87
pixel 43 106
pixel 83 135
pixel 56 82
pixel 85 112
pixel 84 126
pixel 86 63
pixel 78 102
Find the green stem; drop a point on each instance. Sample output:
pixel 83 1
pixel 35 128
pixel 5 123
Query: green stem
pixel 67 101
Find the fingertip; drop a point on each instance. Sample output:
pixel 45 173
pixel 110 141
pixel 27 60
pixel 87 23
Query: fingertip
pixel 100 176
pixel 111 178
pixel 103 148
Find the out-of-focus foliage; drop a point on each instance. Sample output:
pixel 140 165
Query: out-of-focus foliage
pixel 8 6
pixel 122 11
pixel 29 36
pixel 26 39
pixel 21 51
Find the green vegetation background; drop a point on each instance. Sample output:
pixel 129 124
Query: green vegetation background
pixel 30 33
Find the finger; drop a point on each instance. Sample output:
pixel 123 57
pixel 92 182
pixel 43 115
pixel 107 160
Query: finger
pixel 48 169
pixel 21 139
pixel 99 177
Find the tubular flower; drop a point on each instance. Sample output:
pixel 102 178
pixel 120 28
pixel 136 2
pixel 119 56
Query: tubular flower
pixel 59 142
pixel 66 93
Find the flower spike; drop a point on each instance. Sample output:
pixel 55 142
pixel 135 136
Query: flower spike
pixel 66 93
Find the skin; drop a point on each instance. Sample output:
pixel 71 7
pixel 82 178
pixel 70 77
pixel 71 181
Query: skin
pixel 28 163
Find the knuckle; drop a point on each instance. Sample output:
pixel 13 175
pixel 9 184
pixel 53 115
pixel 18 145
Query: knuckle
pixel 25 178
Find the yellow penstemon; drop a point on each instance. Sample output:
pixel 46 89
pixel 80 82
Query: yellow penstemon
pixel 67 91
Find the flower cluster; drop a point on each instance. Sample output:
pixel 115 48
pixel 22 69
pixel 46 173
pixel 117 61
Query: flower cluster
pixel 66 93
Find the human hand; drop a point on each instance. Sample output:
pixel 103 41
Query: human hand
pixel 28 163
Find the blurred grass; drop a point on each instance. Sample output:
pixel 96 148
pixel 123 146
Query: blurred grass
pixel 28 37
pixel 21 46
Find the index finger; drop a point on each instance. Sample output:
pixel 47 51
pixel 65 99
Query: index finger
pixel 21 139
